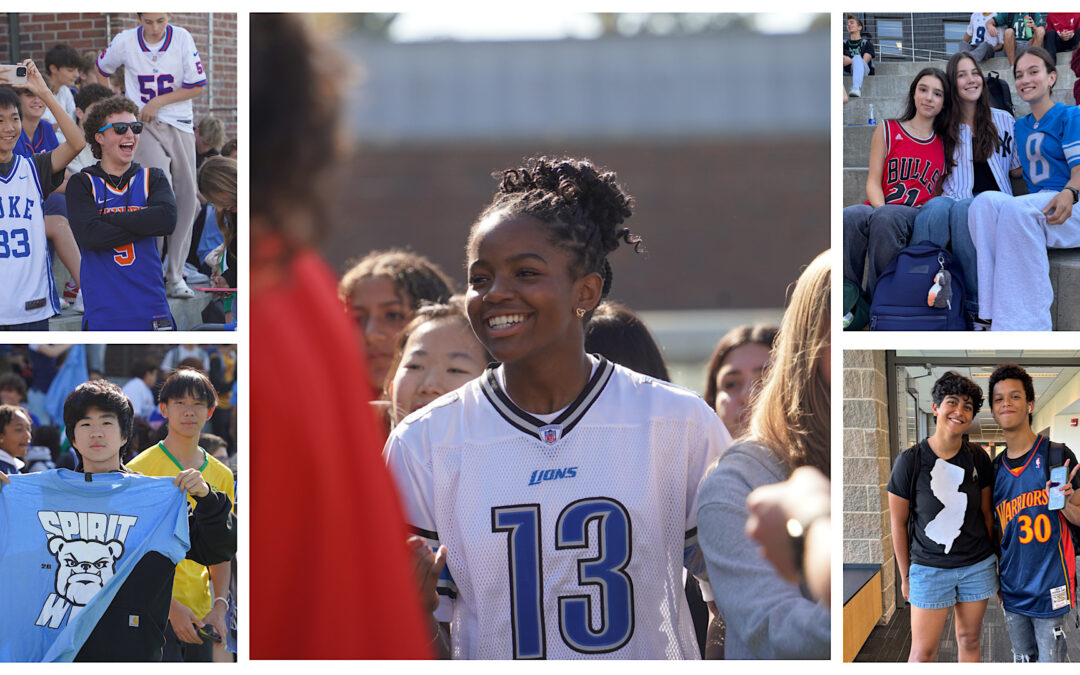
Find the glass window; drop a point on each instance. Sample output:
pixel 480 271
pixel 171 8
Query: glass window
pixel 954 35
pixel 891 35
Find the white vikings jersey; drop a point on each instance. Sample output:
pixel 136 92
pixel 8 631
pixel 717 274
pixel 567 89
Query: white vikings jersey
pixel 153 70
pixel 566 539
pixel 27 290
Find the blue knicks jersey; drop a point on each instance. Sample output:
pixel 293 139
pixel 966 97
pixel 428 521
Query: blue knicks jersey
pixel 66 547
pixel 1049 147
pixel 1038 569
pixel 124 287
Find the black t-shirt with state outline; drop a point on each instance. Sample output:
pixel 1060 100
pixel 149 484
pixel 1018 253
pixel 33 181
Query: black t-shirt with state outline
pixel 950 530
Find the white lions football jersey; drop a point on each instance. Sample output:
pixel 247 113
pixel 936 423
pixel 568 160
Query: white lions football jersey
pixel 566 539
pixel 153 70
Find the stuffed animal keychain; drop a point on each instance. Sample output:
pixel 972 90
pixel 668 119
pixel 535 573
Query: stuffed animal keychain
pixel 941 292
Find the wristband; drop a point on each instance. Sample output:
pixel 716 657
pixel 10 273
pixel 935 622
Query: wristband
pixel 221 598
pixel 1075 193
pixel 797 530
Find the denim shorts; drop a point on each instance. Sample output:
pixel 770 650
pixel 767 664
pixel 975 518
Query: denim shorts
pixel 937 588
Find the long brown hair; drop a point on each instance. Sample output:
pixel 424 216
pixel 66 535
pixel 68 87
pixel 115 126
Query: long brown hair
pixel 217 176
pixel 984 134
pixel 791 415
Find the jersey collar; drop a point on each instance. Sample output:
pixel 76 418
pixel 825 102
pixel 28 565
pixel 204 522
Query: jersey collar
pixel 206 458
pixel 164 42
pixel 1031 453
pixel 562 425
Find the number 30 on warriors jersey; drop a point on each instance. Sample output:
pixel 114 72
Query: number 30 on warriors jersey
pixel 567 537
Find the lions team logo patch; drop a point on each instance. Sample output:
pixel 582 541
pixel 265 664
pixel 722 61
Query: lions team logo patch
pixel 551 433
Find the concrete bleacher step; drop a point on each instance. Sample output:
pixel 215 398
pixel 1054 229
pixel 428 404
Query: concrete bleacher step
pixel 187 312
pixel 1065 278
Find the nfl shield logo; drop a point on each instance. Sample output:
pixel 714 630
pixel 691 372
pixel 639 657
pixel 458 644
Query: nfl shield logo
pixel 551 434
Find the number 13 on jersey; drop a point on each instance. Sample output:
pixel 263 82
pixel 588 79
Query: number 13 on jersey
pixel 606 570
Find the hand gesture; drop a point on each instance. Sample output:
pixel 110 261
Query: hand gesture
pixel 991 29
pixel 1067 34
pixel 803 496
pixel 1059 209
pixel 149 111
pixel 428 566
pixel 34 81
pixel 216 618
pixel 192 482
pixel 1067 488
pixel 185 624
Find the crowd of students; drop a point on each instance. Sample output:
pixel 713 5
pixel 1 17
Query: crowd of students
pixel 550 485
pixel 107 220
pixel 161 586
pixel 941 173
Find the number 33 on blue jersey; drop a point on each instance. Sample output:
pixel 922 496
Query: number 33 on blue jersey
pixel 607 571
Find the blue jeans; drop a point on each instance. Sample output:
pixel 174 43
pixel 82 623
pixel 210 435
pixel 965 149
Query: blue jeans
pixel 944 221
pixel 1037 639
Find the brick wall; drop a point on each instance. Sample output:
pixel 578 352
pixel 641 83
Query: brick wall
pixel 727 224
pixel 867 536
pixel 37 33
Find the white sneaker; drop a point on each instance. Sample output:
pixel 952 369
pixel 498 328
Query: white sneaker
pixel 179 289
pixel 64 304
pixel 78 306
pixel 855 93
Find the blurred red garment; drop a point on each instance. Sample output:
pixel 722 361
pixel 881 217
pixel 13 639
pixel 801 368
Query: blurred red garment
pixel 331 576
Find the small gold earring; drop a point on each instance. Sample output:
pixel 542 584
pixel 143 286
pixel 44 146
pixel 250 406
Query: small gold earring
pixel 580 312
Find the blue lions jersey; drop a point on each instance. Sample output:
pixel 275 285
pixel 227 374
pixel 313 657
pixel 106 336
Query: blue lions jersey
pixel 124 287
pixel 1050 147
pixel 1038 569
pixel 66 547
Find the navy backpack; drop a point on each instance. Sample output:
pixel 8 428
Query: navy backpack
pixel 899 301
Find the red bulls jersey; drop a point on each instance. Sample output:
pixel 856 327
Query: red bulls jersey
pixel 913 166
pixel 1038 569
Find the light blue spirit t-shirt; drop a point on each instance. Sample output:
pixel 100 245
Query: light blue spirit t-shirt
pixel 66 546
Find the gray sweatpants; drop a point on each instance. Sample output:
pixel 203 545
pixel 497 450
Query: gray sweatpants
pixel 173 151
pixel 1011 236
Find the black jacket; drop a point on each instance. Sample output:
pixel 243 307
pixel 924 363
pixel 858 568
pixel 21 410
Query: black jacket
pixel 133 627
pixel 100 232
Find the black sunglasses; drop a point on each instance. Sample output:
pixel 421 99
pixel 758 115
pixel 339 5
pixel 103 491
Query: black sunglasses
pixel 121 128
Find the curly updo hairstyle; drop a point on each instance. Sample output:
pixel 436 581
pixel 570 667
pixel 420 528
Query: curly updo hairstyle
pixel 581 204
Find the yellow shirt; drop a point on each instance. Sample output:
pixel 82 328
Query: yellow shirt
pixel 191 586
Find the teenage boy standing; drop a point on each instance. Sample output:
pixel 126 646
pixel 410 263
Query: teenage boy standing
pixel 200 594
pixel 162 73
pixel 1038 564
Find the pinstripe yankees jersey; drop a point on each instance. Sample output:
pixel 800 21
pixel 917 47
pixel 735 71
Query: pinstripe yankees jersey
pixel 153 70
pixel 961 179
pixel 567 537
pixel 1050 147
pixel 1038 568
pixel 27 289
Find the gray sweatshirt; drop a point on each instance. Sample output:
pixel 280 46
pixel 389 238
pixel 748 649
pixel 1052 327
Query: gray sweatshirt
pixel 766 617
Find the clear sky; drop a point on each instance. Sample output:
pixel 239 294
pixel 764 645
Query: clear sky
pixel 456 23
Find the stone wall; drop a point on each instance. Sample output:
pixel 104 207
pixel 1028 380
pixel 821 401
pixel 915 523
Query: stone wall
pixel 867 537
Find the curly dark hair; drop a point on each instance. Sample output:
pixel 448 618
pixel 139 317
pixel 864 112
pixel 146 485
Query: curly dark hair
pixel 953 383
pixel 7 413
pixel 414 276
pixel 103 395
pixel 96 119
pixel 1011 371
pixel 581 204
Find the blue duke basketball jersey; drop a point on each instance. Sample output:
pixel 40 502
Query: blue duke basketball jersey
pixel 66 547
pixel 27 289
pixel 1038 568
pixel 567 535
pixel 1050 147
pixel 124 287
